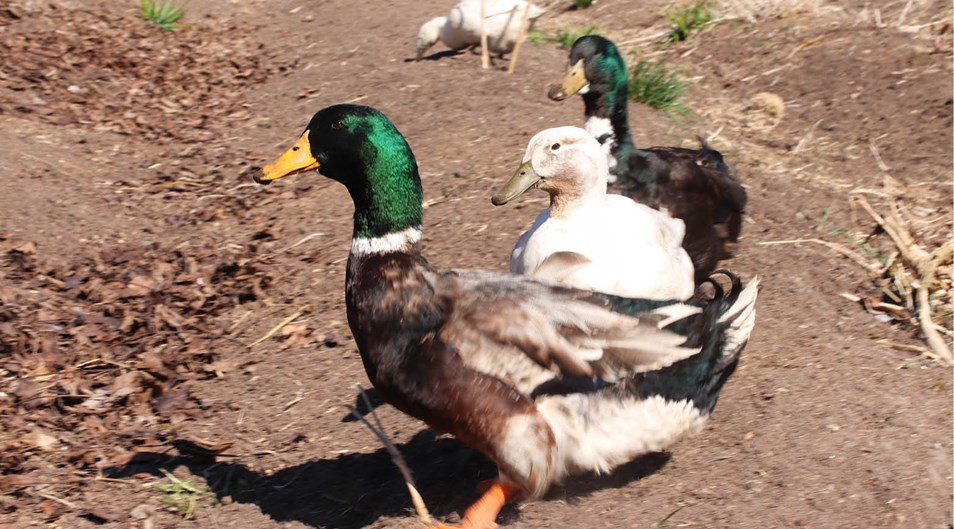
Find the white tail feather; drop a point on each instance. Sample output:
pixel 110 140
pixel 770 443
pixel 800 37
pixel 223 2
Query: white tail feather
pixel 741 318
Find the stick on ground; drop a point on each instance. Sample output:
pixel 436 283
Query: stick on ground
pixel 378 430
pixel 925 264
pixel 278 327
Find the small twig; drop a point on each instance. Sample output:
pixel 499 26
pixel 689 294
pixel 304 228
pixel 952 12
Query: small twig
pixel 69 504
pixel 396 457
pixel 834 246
pixel 873 147
pixel 298 398
pixel 278 327
pixel 931 336
pixel 910 251
pixel 926 266
pixel 911 349
pixel 806 44
pixel 714 135
pixel 301 241
pixel 238 322
pixel 806 138
pixel 904 13
pixel 662 523
pixel 91 361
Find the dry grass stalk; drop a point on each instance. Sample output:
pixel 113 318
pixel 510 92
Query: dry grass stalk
pixel 806 44
pixel 873 147
pixel 854 256
pixel 924 263
pixel 378 430
pixel 278 327
pixel 807 138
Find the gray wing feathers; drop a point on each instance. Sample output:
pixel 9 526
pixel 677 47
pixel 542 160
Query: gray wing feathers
pixel 555 327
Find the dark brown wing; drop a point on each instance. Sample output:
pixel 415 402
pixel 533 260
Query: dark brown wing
pixel 694 185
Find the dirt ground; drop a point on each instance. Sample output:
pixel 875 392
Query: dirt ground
pixel 141 265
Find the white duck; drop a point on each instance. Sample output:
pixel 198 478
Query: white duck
pixel 461 27
pixel 627 249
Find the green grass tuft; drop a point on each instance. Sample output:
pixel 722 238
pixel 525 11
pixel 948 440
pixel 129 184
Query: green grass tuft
pixel 163 14
pixel 582 4
pixel 693 18
pixel 183 495
pixel 652 84
pixel 565 38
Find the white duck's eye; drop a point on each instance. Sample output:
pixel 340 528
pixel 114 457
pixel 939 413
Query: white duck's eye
pixel 555 146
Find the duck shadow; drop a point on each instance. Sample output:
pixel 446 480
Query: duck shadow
pixel 435 56
pixel 355 490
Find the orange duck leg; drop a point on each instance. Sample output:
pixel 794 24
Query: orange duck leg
pixel 483 513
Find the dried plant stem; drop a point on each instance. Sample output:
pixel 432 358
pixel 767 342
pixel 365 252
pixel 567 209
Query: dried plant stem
pixel 278 327
pixel 51 497
pixel 931 336
pixel 378 430
pixel 873 147
pixel 806 44
pixel 871 267
pixel 924 263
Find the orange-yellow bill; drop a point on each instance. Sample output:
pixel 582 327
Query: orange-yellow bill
pixel 574 79
pixel 296 160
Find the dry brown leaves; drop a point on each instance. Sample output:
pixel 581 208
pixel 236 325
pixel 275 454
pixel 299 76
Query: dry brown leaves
pixel 109 69
pixel 105 349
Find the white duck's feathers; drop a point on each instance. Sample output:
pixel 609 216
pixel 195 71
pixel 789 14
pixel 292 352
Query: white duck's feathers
pixel 461 27
pixel 632 250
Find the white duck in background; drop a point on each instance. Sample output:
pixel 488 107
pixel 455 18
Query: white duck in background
pixel 623 247
pixel 461 27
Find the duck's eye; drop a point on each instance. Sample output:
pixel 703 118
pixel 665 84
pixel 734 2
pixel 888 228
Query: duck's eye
pixel 555 146
pixel 337 125
pixel 295 148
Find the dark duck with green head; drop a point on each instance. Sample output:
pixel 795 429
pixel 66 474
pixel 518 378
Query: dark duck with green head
pixel 694 185
pixel 544 380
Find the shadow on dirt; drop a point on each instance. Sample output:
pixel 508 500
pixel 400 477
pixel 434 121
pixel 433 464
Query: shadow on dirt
pixel 354 490
pixel 435 56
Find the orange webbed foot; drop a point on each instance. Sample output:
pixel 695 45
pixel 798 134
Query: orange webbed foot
pixel 483 513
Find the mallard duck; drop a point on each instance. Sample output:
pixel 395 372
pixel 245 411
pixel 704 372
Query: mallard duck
pixel 543 379
pixel 694 185
pixel 460 29
pixel 631 249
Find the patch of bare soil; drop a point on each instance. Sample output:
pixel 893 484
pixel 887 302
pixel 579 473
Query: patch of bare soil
pixel 173 344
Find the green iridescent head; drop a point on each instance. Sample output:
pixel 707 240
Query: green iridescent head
pixel 359 147
pixel 595 66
